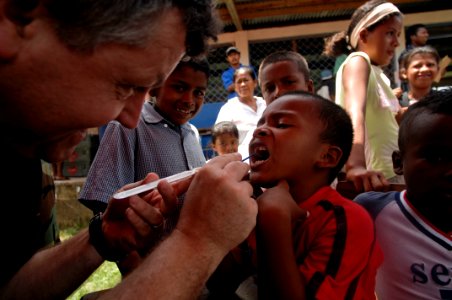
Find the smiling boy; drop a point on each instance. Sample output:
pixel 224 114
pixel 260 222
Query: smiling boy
pixel 300 144
pixel 163 142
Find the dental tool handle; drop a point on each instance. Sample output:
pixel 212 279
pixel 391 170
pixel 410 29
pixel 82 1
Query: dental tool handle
pixel 152 185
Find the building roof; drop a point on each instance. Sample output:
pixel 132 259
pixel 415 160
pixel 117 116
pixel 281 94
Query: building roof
pixel 255 14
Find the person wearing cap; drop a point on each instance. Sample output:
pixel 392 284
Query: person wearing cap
pixel 233 58
pixel 327 88
pixel 416 36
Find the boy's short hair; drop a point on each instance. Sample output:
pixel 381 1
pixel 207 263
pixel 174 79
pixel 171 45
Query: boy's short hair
pixel 437 102
pixel 424 50
pixel 196 63
pixel 338 130
pixel 285 55
pixel 224 127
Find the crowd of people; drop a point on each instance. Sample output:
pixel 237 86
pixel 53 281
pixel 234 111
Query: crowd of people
pixel 262 219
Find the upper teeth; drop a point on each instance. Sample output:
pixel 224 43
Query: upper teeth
pixel 183 110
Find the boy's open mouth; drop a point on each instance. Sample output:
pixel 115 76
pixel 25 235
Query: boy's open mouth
pixel 259 156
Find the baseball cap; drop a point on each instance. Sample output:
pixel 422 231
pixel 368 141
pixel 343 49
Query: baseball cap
pixel 232 49
pixel 326 74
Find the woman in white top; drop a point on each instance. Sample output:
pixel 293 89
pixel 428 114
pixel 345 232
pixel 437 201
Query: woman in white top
pixel 246 109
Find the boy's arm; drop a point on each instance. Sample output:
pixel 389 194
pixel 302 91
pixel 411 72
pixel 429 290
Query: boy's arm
pixel 112 168
pixel 355 80
pixel 278 274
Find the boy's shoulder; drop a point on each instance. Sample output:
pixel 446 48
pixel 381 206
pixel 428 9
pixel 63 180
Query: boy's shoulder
pixel 332 201
pixel 374 202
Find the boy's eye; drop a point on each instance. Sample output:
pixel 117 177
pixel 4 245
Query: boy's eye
pixel 179 88
pixel 289 82
pixel 269 88
pixel 199 93
pixel 436 157
pixel 282 125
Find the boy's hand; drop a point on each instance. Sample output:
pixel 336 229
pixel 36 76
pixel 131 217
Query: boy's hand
pixel 135 223
pixel 278 201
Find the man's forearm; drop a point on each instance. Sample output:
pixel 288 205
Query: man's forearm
pixel 177 269
pixel 56 272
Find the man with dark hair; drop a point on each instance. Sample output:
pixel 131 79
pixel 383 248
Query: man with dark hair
pixel 416 36
pixel 233 58
pixel 67 66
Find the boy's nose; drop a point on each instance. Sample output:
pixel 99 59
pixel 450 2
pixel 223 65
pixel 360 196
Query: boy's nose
pixel 260 131
pixel 188 97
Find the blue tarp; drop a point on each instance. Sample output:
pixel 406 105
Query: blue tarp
pixel 204 121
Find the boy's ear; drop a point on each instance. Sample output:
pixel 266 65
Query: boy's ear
pixel 13 20
pixel 397 162
pixel 310 85
pixel 330 156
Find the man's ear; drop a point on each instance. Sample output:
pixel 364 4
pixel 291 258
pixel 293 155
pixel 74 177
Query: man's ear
pixel 330 156
pixel 14 16
pixel 397 162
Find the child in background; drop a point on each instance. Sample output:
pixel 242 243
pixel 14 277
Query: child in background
pixel 419 67
pixel 300 144
pixel 365 92
pixel 284 71
pixel 245 109
pixel 280 72
pixel 414 227
pixel 225 138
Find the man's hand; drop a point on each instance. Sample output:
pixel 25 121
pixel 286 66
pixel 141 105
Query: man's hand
pixel 218 207
pixel 135 223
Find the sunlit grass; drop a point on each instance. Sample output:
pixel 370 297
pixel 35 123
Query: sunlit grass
pixel 105 277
